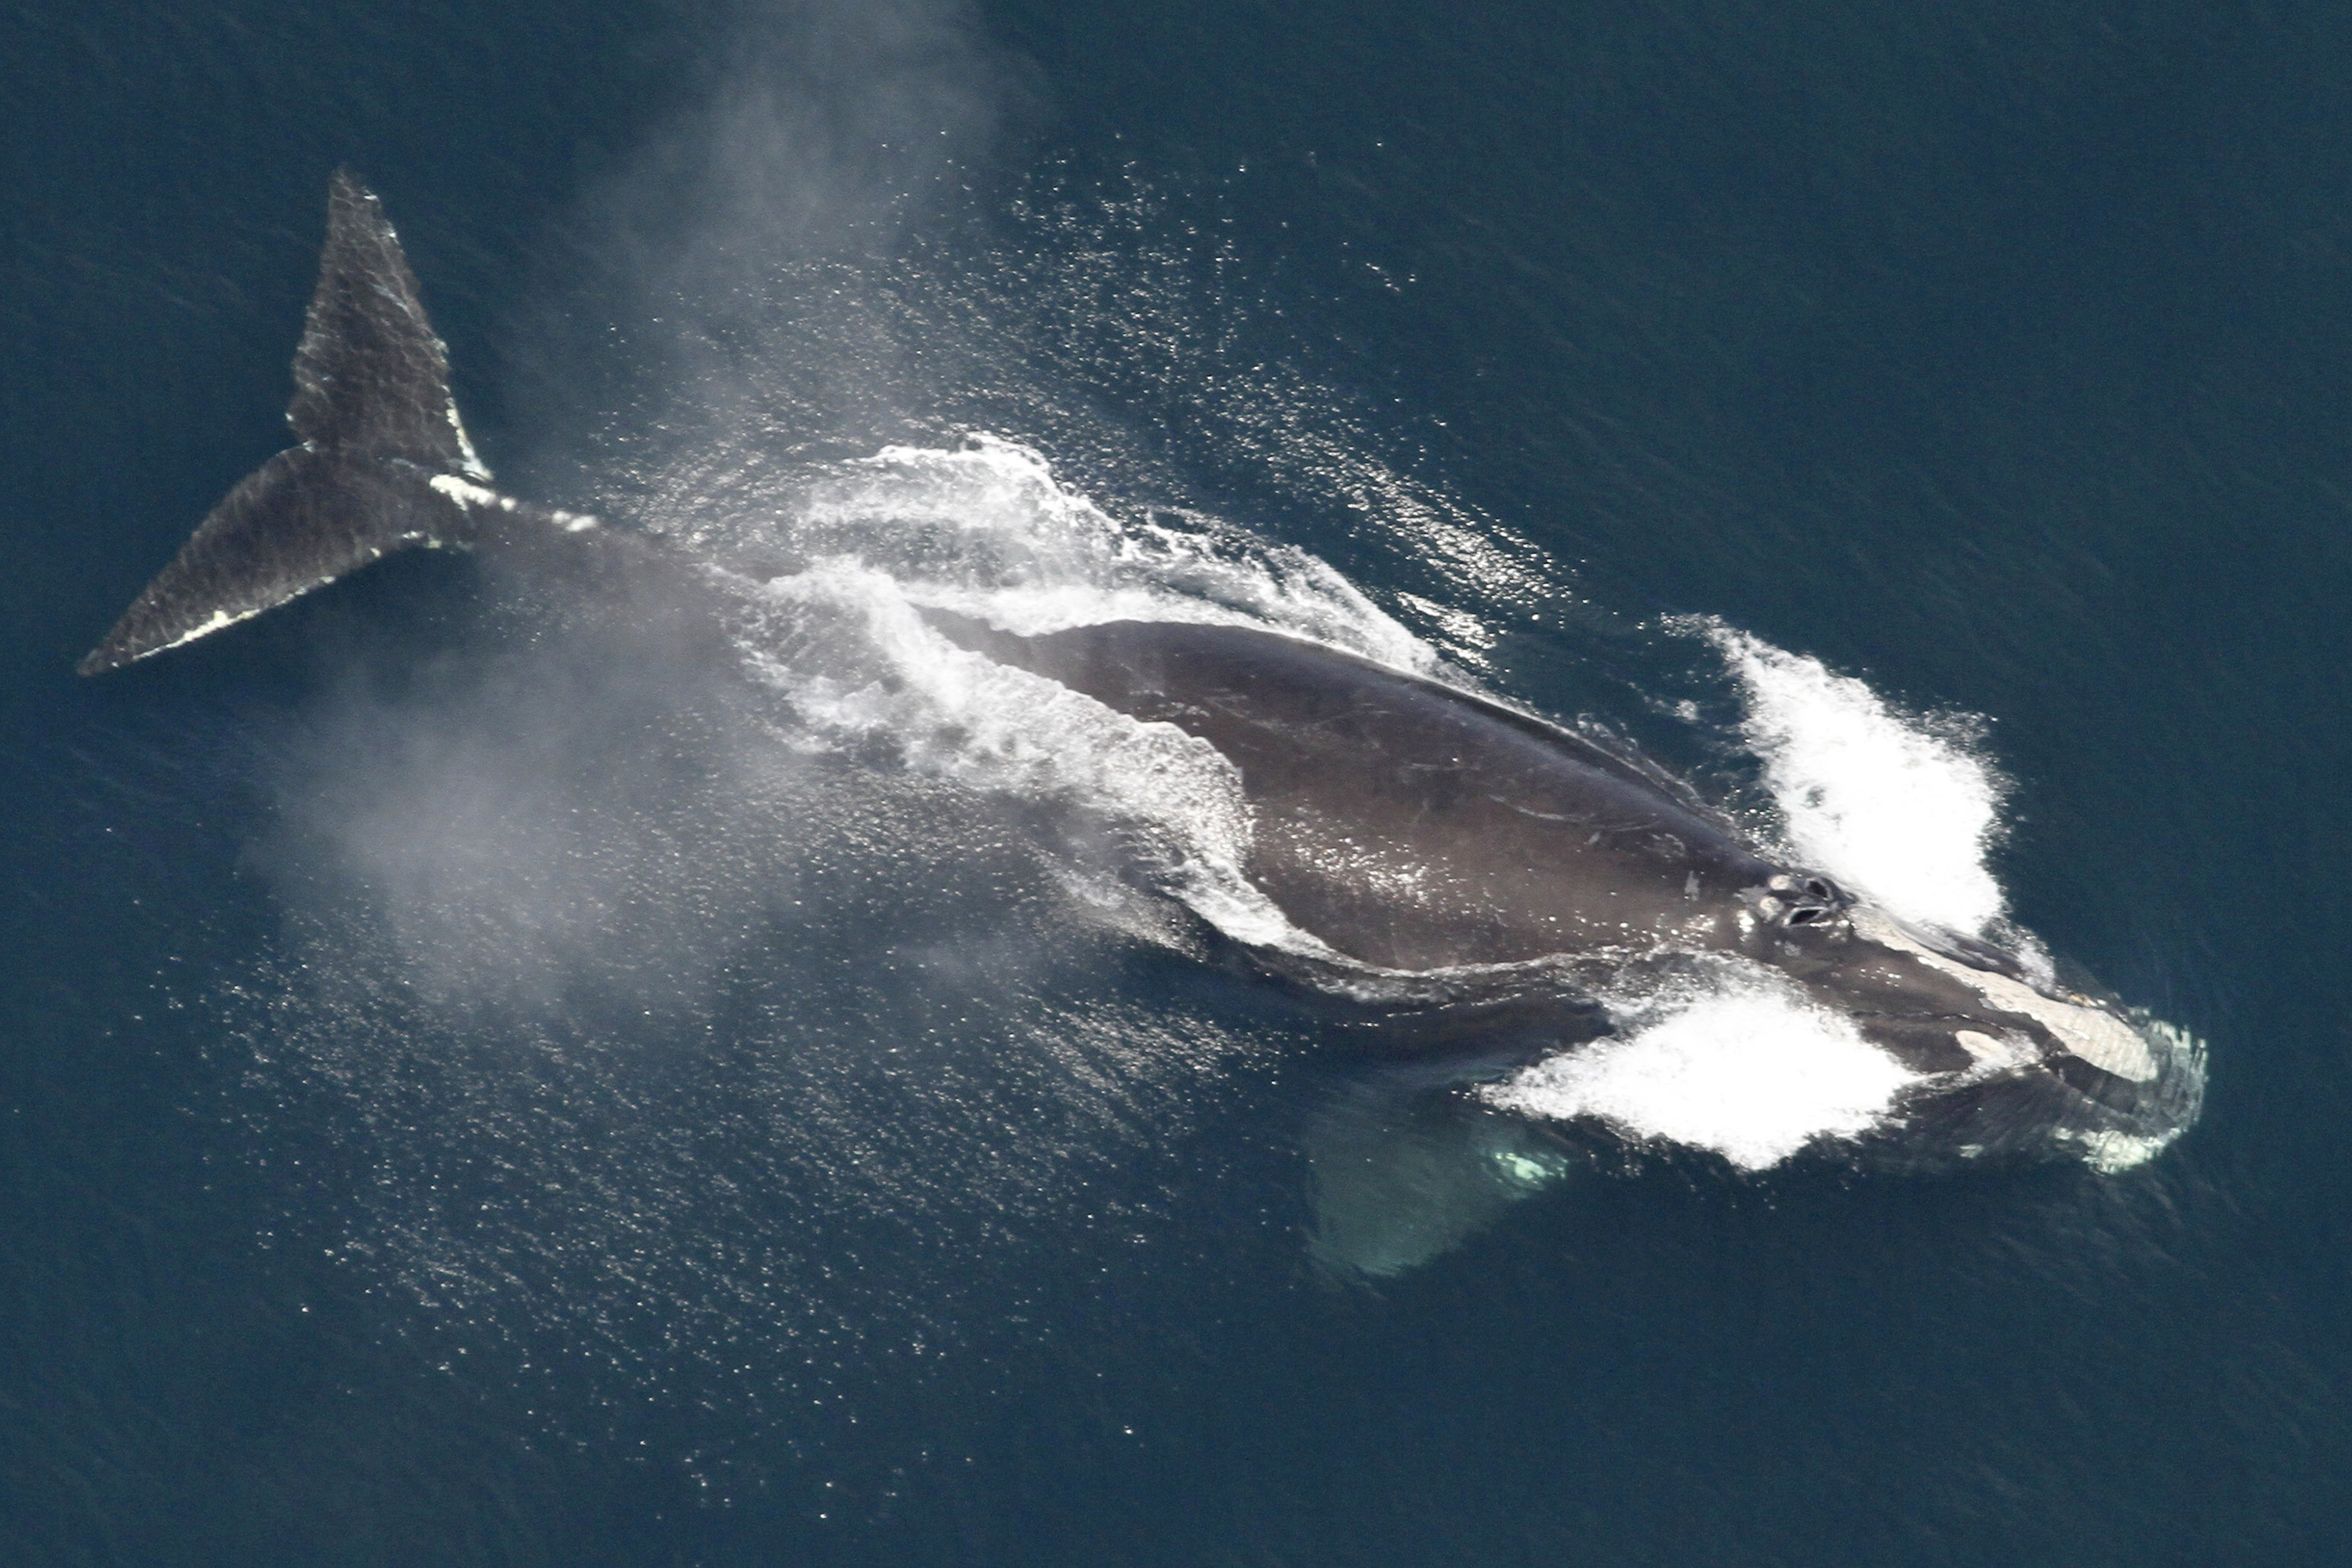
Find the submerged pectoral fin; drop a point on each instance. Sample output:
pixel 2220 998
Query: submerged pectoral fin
pixel 1403 1174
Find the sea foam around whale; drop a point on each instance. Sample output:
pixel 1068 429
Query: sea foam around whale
pixel 1733 1061
pixel 1744 1066
pixel 1904 811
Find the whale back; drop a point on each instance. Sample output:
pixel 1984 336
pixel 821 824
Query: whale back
pixel 1408 823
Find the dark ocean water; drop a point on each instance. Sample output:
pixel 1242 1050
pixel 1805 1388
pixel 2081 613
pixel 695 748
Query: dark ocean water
pixel 434 1132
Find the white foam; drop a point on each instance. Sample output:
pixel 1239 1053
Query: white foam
pixel 958 714
pixel 988 531
pixel 1901 813
pixel 1746 1067
pixel 465 492
pixel 2112 1152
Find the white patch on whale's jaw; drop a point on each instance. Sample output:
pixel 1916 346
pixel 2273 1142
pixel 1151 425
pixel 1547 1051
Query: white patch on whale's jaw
pixel 2094 1034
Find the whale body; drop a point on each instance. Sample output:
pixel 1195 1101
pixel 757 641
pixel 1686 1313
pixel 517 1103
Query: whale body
pixel 1429 841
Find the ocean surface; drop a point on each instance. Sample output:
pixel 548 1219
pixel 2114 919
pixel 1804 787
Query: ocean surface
pixel 475 1088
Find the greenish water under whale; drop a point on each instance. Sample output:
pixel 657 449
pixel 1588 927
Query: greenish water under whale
pixel 466 1101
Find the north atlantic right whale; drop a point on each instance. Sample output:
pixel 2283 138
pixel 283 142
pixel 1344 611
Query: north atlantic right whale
pixel 1433 852
pixel 1415 828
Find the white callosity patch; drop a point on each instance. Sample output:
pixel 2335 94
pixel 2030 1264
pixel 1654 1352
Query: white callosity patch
pixel 1901 813
pixel 2091 1033
pixel 1996 1053
pixel 1745 1066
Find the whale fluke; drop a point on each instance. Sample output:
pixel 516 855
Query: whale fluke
pixel 370 376
pixel 378 427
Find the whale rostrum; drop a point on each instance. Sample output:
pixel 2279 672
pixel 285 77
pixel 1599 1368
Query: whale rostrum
pixel 1419 833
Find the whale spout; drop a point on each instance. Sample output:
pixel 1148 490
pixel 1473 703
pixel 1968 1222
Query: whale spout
pixel 383 463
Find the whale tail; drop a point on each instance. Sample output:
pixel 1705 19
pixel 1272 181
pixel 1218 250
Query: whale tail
pixel 383 462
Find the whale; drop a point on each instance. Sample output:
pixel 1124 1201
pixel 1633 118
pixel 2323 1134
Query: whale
pixel 1441 857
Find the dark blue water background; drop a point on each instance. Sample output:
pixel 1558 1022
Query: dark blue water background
pixel 1995 352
